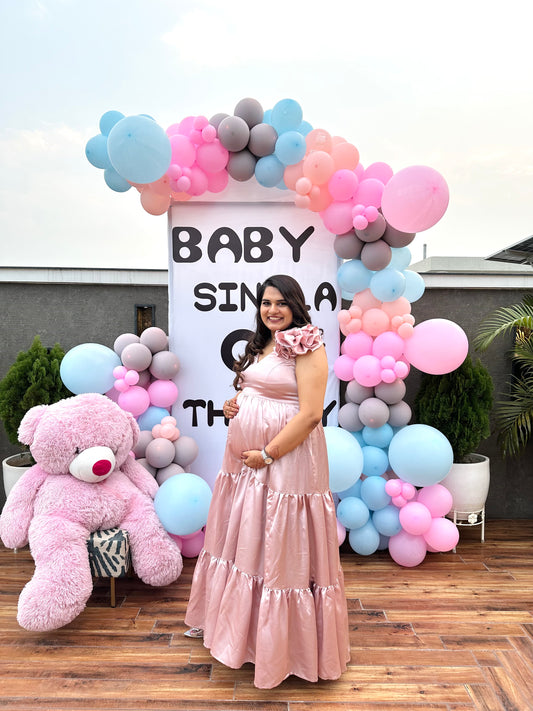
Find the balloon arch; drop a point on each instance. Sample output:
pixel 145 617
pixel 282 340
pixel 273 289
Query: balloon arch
pixel 385 472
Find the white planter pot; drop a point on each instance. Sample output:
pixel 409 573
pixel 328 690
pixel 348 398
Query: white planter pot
pixel 469 485
pixel 13 468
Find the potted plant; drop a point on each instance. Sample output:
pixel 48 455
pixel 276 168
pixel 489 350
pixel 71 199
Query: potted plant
pixel 458 404
pixel 33 379
pixel 514 415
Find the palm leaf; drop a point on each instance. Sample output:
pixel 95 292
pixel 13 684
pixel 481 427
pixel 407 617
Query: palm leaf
pixel 514 417
pixel 504 320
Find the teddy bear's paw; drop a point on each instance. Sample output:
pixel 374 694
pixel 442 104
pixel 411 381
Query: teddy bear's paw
pixel 162 569
pixel 42 608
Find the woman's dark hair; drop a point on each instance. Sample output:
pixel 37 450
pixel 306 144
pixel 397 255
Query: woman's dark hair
pixel 294 296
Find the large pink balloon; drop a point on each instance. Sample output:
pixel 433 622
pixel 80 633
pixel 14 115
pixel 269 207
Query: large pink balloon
pixel 406 549
pixel 415 199
pixel 437 346
pixel 442 535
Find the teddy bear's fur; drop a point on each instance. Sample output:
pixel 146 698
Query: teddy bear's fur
pixel 54 509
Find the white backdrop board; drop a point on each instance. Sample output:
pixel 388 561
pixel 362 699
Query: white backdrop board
pixel 219 253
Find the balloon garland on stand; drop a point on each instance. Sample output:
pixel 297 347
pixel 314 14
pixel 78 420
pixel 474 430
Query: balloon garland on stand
pixel 385 472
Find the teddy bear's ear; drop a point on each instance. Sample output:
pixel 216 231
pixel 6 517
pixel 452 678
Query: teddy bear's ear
pixel 29 422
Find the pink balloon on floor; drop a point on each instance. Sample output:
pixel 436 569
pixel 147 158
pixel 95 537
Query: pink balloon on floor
pixel 406 549
pixel 442 535
pixel 415 199
pixel 437 346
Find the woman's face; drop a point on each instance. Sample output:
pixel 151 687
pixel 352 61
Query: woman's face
pixel 275 313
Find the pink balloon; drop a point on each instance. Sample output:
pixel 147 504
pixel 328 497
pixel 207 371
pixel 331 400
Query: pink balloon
pixel 366 300
pixel 393 487
pixel 388 343
pixel 415 518
pixel 375 321
pixel 216 182
pixel 343 184
pixel 318 140
pixel 380 171
pixel 437 346
pixel 367 370
pixel 437 498
pixel 135 400
pixel 399 307
pixel 442 535
pixel 343 367
pixel 341 532
pixel 212 157
pixel 369 192
pixel 415 199
pixel 345 155
pixel 406 549
pixel 199 181
pixel 153 203
pixel 318 166
pixel 337 217
pixel 163 393
pixel 357 344
pixel 192 545
pixel 183 151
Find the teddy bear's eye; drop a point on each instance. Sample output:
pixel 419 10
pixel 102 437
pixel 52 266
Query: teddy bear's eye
pixel 77 450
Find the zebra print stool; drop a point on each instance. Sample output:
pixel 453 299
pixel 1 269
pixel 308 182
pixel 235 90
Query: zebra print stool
pixel 109 556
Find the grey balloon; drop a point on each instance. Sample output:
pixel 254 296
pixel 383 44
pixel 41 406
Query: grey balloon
pixel 250 110
pixel 395 238
pixel 241 165
pixel 165 365
pixel 399 414
pixel 357 393
pixel 373 231
pixel 155 339
pixel 160 452
pixel 263 139
pixel 391 393
pixel 145 437
pixel 136 356
pixel 186 450
pixel 217 118
pixel 348 417
pixel 124 340
pixel 233 133
pixel 147 466
pixel 348 246
pixel 373 412
pixel 376 255
pixel 166 472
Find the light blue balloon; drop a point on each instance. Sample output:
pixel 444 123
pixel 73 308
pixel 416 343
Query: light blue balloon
pixel 359 437
pixel 115 181
pixel 354 490
pixel 151 417
pixel 401 258
pixel 383 542
pixel 139 149
pixel 108 120
pixel 182 503
pixel 304 128
pixel 96 152
pixel 353 276
pixel 267 116
pixel 375 461
pixel 373 493
pixel 290 147
pixel 378 436
pixel 286 115
pixel 352 512
pixel 387 284
pixel 269 171
pixel 387 520
pixel 414 286
pixel 345 458
pixel 88 368
pixel 364 540
pixel 420 455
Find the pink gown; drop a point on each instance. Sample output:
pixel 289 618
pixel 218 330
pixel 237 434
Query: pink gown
pixel 268 587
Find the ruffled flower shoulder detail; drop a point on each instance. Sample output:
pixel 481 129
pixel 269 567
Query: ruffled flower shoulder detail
pixel 297 341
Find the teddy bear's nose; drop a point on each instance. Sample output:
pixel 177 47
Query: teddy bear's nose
pixel 93 464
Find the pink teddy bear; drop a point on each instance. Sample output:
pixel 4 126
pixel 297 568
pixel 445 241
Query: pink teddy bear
pixel 84 480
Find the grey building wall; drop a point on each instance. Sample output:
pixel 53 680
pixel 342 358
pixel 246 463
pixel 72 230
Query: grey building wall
pixel 74 313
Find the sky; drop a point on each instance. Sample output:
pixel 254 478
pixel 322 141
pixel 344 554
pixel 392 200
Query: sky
pixel 409 82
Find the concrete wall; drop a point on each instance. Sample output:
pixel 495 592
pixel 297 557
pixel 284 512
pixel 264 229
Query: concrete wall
pixel 79 313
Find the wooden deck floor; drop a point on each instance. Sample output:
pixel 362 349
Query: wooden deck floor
pixel 453 633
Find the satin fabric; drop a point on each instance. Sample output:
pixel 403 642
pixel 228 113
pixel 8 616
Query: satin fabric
pixel 268 587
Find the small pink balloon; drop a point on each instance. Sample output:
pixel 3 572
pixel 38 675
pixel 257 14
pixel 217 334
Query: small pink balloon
pixel 401 370
pixel 407 549
pixel 120 371
pixel 135 400
pixel 341 532
pixel 408 490
pixel 393 487
pixel 437 498
pixel 388 376
pixel 131 377
pixel 121 385
pixel 415 199
pixel 399 501
pixel 415 518
pixel 437 346
pixel 192 545
pixel 442 535
pixel 303 186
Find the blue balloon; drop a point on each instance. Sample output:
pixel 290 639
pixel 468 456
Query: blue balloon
pixel 269 171
pixel 359 437
pixel 286 115
pixel 96 152
pixel 378 436
pixel 364 540
pixel 182 503
pixel 352 512
pixel 401 258
pixel 387 284
pixel 373 493
pixel 353 276
pixel 88 368
pixel 420 455
pixel 108 120
pixel 139 149
pixel 345 458
pixel 304 128
pixel 414 286
pixel 354 490
pixel 375 461
pixel 290 148
pixel 115 181
pixel 383 542
pixel 151 417
pixel 387 520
